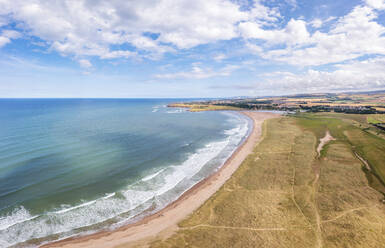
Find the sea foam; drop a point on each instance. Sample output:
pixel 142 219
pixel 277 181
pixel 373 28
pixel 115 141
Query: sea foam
pixel 152 192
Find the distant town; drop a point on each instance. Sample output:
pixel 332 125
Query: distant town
pixel 370 103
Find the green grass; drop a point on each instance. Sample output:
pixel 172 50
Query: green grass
pixel 367 145
pixel 372 120
pixel 359 118
pixel 376 119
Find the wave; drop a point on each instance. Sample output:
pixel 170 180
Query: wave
pixel 75 207
pixel 176 111
pixel 18 215
pixel 185 145
pixel 109 195
pixel 149 194
pixel 157 107
pixel 152 175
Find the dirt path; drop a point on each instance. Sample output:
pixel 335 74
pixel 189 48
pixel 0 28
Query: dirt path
pixel 238 228
pixel 345 213
pixel 316 231
pixel 363 161
pixel 317 170
pixel 324 141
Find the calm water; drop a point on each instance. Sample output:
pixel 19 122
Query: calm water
pixel 73 166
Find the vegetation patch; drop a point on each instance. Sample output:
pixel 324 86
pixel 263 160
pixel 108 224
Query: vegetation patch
pixel 367 145
pixel 195 107
pixel 373 119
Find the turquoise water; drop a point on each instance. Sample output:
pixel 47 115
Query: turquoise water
pixel 69 167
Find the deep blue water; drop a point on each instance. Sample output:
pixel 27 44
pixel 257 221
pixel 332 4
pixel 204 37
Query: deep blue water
pixel 69 166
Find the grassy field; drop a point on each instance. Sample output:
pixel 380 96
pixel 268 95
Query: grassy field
pixel 360 121
pixel 202 107
pixel 351 103
pixel 276 199
pixel 360 140
pixel 376 119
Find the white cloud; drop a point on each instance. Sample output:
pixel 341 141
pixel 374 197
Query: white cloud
pixel 11 34
pixel 376 4
pixel 356 75
pixel 149 28
pixel 7 35
pixel 3 21
pixel 295 33
pixel 84 63
pixel 199 72
pixel 354 35
pixel 92 28
pixel 4 41
pixel 219 57
pixel 118 54
pixel 316 23
pixel 254 48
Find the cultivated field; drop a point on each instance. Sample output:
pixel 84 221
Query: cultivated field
pixel 285 195
pixel 352 103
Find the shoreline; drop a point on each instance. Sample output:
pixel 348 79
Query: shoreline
pixel 165 222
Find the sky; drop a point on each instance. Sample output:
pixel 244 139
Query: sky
pixel 184 48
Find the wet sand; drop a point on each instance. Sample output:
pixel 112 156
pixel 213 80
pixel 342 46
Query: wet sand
pixel 164 223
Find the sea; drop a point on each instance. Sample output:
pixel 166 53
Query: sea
pixel 71 167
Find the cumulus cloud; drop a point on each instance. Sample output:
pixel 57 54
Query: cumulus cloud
pixel 84 29
pixel 316 23
pixel 4 41
pixel 3 21
pixel 356 75
pixel 293 34
pixel 354 35
pixel 7 35
pixel 84 63
pixel 376 4
pixel 219 57
pixel 123 29
pixel 199 72
pixel 101 28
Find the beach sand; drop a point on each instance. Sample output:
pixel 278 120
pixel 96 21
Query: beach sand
pixel 164 223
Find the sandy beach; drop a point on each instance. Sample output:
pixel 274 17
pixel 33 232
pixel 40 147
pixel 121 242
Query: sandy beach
pixel 164 223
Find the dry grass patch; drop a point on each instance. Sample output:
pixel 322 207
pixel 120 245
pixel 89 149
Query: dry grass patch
pixel 261 205
pixel 275 198
pixel 352 213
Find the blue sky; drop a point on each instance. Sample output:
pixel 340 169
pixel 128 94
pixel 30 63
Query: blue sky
pixel 184 48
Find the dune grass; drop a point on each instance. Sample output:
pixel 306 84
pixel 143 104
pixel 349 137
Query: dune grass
pixel 275 198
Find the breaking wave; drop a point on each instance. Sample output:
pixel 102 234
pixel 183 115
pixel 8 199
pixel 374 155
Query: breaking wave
pixel 148 195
